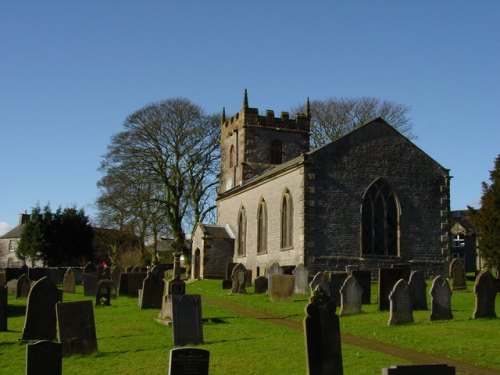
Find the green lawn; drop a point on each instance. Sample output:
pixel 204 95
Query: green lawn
pixel 130 341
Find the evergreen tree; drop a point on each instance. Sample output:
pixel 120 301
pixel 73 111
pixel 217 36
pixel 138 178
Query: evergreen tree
pixel 32 242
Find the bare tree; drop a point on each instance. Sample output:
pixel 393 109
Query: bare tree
pixel 334 117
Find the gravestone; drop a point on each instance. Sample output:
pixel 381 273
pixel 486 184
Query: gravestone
pixel 103 273
pixel 69 281
pixel 229 270
pixel 434 369
pixel 350 296
pixel 364 279
pixel 401 311
pixel 3 308
pixel 418 290
pixel 12 286
pixel 322 336
pixel 90 268
pixel 89 284
pixel 405 269
pixel 187 319
pixel 260 285
pixel 301 279
pixel 282 287
pixel 130 283
pixel 272 269
pixel 188 361
pixel 227 284
pixel 322 280
pixel 3 279
pixel 44 358
pixel 103 293
pixel 78 272
pixel 76 327
pixel 129 269
pixel 440 299
pixel 24 270
pixel 40 320
pixel 23 286
pixel 485 289
pixel 457 275
pixel 152 292
pixel 337 279
pixel 115 275
pixel 176 286
pixel 387 278
pixel 239 279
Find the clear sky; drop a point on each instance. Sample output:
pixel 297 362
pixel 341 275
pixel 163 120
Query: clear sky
pixel 71 71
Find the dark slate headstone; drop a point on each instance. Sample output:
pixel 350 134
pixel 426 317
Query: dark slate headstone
pixel 401 311
pixel 188 361
pixel 3 308
pixel 89 284
pixel 364 278
pixel 337 279
pixel 418 290
pixel 123 290
pixel 24 270
pixel 76 327
pixel 90 268
pixel 387 278
pixel 187 319
pixel 176 286
pixel 40 320
pixel 152 292
pixel 44 358
pixel 23 286
pixel 38 273
pixel 78 271
pixel 485 289
pixel 239 279
pixel 405 269
pixel 350 296
pixel 260 284
pixel 440 299
pixel 282 287
pixel 56 275
pixel 322 336
pixel 227 284
pixel 3 279
pixel 229 270
pixel 69 281
pixel 134 283
pixel 457 275
pixel 103 292
pixel 435 369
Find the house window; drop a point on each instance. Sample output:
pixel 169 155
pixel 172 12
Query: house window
pixel 242 233
pixel 262 228
pixel 12 245
pixel 286 221
pixel 459 256
pixel 458 240
pixel 276 152
pixel 380 220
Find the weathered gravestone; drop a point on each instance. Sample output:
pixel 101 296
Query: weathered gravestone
pixel 44 358
pixel 152 292
pixel 301 279
pixel 23 286
pixel 239 279
pixel 350 296
pixel 115 278
pixel 89 284
pixel 76 327
pixel 260 284
pixel 3 308
pixel 90 268
pixel 418 290
pixel 485 289
pixel 103 293
pixel 188 361
pixel 12 286
pixel 187 319
pixel 282 287
pixel 401 311
pixel 69 281
pixel 322 336
pixel 457 275
pixel 387 278
pixel 131 282
pixel 435 369
pixel 440 299
pixel 364 278
pixel 174 286
pixel 40 320
pixel 272 269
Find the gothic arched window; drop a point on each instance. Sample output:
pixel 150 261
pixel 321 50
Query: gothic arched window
pixel 276 152
pixel 231 157
pixel 242 232
pixel 262 228
pixel 380 220
pixel 286 220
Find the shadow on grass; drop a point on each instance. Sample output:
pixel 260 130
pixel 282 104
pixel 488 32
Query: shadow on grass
pixel 223 341
pixel 13 311
pixel 216 320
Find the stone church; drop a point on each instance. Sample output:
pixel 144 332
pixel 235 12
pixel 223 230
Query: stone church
pixel 369 199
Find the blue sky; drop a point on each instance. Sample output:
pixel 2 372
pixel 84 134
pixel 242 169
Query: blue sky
pixel 71 71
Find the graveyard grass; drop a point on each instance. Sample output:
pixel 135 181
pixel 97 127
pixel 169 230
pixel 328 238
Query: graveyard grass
pixel 130 341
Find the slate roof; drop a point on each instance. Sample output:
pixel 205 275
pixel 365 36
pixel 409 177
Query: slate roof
pixel 13 233
pixel 216 231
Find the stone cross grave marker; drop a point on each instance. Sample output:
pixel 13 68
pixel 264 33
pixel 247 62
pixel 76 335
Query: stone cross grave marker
pixel 485 289
pixel 322 336
pixel 418 290
pixel 152 292
pixel 69 281
pixel 457 275
pixel 44 358
pixel 387 278
pixel 239 278
pixel 76 327
pixel 3 308
pixel 23 286
pixel 187 319
pixel 301 279
pixel 282 287
pixel 401 311
pixel 260 285
pixel 440 299
pixel 350 296
pixel 188 361
pixel 40 320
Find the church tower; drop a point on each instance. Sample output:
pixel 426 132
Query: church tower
pixel 252 144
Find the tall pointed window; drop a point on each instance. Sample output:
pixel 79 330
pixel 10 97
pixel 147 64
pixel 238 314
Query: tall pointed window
pixel 276 152
pixel 380 220
pixel 286 221
pixel 262 228
pixel 231 157
pixel 242 233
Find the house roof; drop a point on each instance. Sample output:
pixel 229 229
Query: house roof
pixel 13 233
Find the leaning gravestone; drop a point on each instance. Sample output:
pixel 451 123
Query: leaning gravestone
pixel 3 308
pixel 239 278
pixel 485 289
pixel 188 361
pixel 229 270
pixel 457 275
pixel 435 369
pixel 69 281
pixel 301 279
pixel 76 327
pixel 89 284
pixel 40 320
pixel 418 288
pixel 401 311
pixel 364 278
pixel 350 297
pixel 322 280
pixel 152 292
pixel 272 269
pixel 322 336
pixel 23 286
pixel 282 287
pixel 103 293
pixel 44 358
pixel 440 299
pixel 187 319
pixel 260 285
pixel 387 278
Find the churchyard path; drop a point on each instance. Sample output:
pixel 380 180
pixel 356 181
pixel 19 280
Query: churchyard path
pixel 409 355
